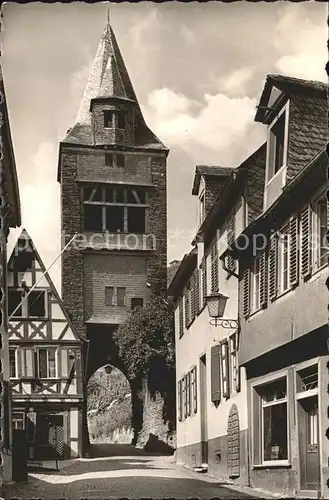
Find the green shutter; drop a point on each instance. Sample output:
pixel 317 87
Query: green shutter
pixel 306 254
pixel 214 267
pixel 293 264
pixel 189 393
pixel 181 316
pixel 204 281
pixel 231 262
pixel 225 376
pixel 197 291
pixel 215 374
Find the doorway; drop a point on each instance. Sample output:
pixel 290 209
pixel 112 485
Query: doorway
pixel 308 437
pixel 49 436
pixel 203 409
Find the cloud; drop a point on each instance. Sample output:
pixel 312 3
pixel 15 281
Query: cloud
pixel 216 124
pixel 234 83
pixel 303 43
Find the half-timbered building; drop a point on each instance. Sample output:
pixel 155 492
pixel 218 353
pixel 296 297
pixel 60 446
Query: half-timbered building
pixel 44 359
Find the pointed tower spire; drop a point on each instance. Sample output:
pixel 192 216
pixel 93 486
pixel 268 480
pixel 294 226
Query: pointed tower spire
pixel 108 76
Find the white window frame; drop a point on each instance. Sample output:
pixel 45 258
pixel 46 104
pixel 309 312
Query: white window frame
pixel 12 348
pixel 285 109
pixel 255 387
pixel 25 306
pixel 255 290
pixel 315 231
pixel 282 242
pixel 56 361
pixel 22 413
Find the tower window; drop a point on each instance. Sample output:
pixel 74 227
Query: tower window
pixel 115 219
pixel 109 160
pixel 109 294
pixel 108 119
pixel 121 296
pixel 93 217
pixel 121 119
pixel 136 220
pixel 120 160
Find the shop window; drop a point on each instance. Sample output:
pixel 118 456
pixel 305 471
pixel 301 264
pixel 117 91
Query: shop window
pixel 271 425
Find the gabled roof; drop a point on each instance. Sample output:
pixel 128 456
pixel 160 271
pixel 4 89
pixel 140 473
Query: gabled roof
pixel 10 177
pixel 29 248
pixel 109 78
pixel 288 86
pixel 208 171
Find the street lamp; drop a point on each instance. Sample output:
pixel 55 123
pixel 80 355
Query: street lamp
pixel 216 303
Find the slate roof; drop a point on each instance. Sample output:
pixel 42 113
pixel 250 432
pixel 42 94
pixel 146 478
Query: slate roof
pixel 109 79
pixel 289 85
pixel 208 171
pixel 183 272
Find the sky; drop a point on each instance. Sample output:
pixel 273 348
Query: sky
pixel 198 70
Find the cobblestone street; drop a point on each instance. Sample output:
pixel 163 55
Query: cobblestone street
pixel 125 473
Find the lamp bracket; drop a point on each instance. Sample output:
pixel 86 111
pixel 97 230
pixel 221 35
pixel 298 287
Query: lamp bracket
pixel 225 323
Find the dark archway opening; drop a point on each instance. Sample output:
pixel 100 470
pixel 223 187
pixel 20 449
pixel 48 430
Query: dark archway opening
pixel 109 407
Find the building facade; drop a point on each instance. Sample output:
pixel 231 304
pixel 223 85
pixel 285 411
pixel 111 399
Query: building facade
pixel 44 359
pixel 283 298
pixel 212 420
pixel 10 218
pixel 112 174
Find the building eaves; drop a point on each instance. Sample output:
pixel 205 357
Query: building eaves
pixel 264 221
pixel 208 171
pixel 183 272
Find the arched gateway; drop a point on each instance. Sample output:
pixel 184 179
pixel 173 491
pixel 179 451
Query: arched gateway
pixel 112 173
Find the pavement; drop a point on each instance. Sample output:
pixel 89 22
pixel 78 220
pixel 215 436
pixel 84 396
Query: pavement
pixel 122 471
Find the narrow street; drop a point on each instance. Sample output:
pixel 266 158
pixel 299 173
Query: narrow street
pixel 124 472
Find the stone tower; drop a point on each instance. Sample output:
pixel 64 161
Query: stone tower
pixel 112 172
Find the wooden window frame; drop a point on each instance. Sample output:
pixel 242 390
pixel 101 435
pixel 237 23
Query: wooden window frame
pixel 270 157
pixel 283 251
pixel 46 347
pixel 316 225
pixel 15 350
pixel 225 373
pixel 100 189
pixel 255 285
pixel 257 431
pixel 25 304
pixel 18 412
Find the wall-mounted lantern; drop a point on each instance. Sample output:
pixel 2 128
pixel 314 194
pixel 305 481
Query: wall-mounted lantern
pixel 216 304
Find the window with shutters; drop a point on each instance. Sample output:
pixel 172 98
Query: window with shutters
pixel 273 267
pixel 47 362
pixel 246 292
pixel 180 317
pixel 180 401
pixel 204 281
pixel 189 393
pixel 225 369
pixel 255 285
pixel 184 390
pixel 215 374
pixel 320 247
pixel 283 260
pixel 231 262
pixel 187 301
pixel 214 267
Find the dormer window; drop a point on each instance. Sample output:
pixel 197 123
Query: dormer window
pixel 201 208
pixel 277 144
pixel 114 119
